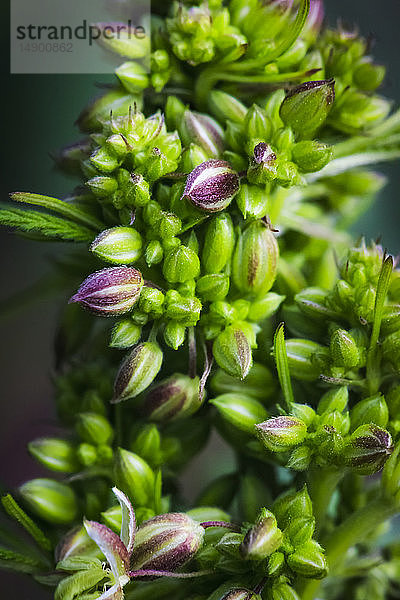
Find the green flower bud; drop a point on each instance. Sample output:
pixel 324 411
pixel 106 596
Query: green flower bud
pixel 225 107
pixel 148 445
pixel 102 186
pixel 173 398
pixel 168 226
pixel 174 334
pixel 336 422
pixel 391 476
pixel 260 383
pixel 116 101
pixel 252 201
pixel 393 402
pixel 125 334
pixel 303 358
pixel 370 410
pixel 262 539
pixel 105 160
pixel 281 433
pixel 133 76
pixel 50 500
pixel 181 264
pixel 308 560
pixel 391 348
pixel 212 185
pixel 94 428
pixel 137 371
pixel 174 110
pixel 254 266
pixel 391 319
pixel 276 563
pixel 138 191
pixel 292 505
pixel 368 76
pixel 343 349
pixel 154 253
pixel 335 399
pixel 134 477
pixel 203 131
pixel 257 123
pixel 306 107
pixel 119 245
pixel 311 156
pixel 367 449
pixel 87 454
pixel 222 313
pixel 240 411
pixel 181 309
pixel 283 591
pixel 151 300
pixel 264 307
pixel 213 287
pixel 232 351
pixel 166 542
pixel 105 454
pixel 358 110
pixel 300 458
pixel 218 243
pixel 55 454
pixel 191 158
pixel 300 530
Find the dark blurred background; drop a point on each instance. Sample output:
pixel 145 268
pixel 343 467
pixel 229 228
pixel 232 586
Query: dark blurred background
pixel 37 117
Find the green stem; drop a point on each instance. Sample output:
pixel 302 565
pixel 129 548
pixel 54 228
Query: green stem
pixel 322 484
pixel 352 531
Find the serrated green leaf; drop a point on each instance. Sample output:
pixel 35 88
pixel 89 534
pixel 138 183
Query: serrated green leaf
pixel 48 225
pixel 15 512
pixel 72 586
pixel 282 366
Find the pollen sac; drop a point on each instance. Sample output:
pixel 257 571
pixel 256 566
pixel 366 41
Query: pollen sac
pixel 306 107
pixel 255 259
pixel 368 449
pixel 281 433
pixel 212 185
pixel 173 398
pixel 166 542
pixel 110 292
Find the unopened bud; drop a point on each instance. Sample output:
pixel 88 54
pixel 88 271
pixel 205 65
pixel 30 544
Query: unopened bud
pixel 166 542
pixel 153 253
pixel 257 123
pixel 218 243
pixel 368 449
pixel 370 410
pixel 306 107
pixel 308 560
pixel 306 358
pixel 134 477
pixel 283 591
pixel 259 384
pixel 255 259
pixel 232 351
pixel 174 334
pixel 203 131
pixel 125 334
pixel 262 539
pixel 300 530
pixel 335 399
pixel 173 398
pixel 55 454
pixel 281 433
pixel 50 500
pixel 212 185
pixel 226 107
pixel 292 505
pixel 264 307
pixel 181 264
pixel 94 428
pixel 133 76
pixel 213 287
pixel 311 156
pixel 137 371
pixel 102 186
pixel 344 350
pixel 109 292
pixel 240 411
pixel 119 245
pixel 368 76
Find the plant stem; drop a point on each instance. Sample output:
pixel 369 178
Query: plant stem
pixel 322 484
pixel 353 530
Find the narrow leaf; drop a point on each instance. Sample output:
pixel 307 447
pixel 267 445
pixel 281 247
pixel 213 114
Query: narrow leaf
pixel 282 366
pixel 128 527
pixel 14 561
pixel 16 513
pixel 381 293
pixel 59 206
pixel 72 586
pixel 48 225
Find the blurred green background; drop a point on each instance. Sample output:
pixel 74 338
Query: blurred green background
pixel 37 117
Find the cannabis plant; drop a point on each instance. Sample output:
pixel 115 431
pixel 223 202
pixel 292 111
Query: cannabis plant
pixel 214 287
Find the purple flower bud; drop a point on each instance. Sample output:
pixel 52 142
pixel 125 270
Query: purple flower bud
pixel 263 153
pixel 111 291
pixel 166 542
pixel 368 449
pixel 175 397
pixel 281 433
pixel 212 185
pixel 204 131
